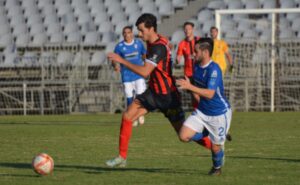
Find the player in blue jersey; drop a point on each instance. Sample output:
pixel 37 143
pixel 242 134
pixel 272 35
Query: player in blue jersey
pixel 132 50
pixel 213 114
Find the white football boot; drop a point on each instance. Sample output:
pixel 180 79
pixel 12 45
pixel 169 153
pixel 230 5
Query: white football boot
pixel 141 120
pixel 116 162
pixel 135 123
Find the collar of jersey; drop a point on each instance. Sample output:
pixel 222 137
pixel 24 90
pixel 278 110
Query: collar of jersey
pixel 206 64
pixel 129 44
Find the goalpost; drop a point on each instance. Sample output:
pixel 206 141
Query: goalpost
pixel 272 45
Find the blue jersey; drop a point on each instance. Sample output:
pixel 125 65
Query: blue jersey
pixel 210 77
pixel 133 53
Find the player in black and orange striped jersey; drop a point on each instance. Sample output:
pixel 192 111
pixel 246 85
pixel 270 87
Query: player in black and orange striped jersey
pixel 186 49
pixel 162 92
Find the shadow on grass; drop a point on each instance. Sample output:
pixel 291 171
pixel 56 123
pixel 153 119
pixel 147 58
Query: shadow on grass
pixel 17 175
pixel 99 169
pixel 265 158
pixel 259 158
pixel 97 123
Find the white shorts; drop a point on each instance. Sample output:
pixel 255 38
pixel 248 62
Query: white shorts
pixel 217 126
pixel 134 88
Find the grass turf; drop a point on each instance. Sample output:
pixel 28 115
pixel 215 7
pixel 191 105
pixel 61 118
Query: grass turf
pixel 264 150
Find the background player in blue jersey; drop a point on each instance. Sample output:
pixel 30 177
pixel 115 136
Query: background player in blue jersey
pixel 132 50
pixel 213 114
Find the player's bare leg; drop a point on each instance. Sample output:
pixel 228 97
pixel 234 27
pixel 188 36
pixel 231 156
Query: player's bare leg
pixel 204 141
pixel 132 113
pixel 187 134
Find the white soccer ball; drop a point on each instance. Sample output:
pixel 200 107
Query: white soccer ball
pixel 43 164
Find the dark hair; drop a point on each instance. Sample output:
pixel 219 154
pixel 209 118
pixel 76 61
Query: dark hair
pixel 214 28
pixel 148 19
pixel 127 27
pixel 206 43
pixel 188 23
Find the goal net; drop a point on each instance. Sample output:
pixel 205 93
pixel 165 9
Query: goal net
pixel 266 59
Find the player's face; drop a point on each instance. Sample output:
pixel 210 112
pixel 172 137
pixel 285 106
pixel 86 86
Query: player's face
pixel 144 33
pixel 198 53
pixel 214 33
pixel 188 31
pixel 128 35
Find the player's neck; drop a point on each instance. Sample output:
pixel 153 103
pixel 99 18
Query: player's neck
pixel 205 61
pixel 153 38
pixel 129 42
pixel 190 38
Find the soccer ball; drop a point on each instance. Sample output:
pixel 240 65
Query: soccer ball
pixel 43 164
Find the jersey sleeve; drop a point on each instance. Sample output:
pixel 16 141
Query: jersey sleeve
pixel 225 47
pixel 117 50
pixel 180 49
pixel 214 79
pixel 156 53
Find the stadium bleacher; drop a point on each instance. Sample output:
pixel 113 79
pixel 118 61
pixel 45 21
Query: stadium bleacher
pixel 85 22
pixel 247 27
pixel 37 37
pixel 91 22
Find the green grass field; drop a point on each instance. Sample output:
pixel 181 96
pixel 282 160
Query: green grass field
pixel 264 150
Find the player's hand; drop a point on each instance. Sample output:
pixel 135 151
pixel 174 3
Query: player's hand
pixel 113 57
pixel 231 68
pixel 117 68
pixel 184 83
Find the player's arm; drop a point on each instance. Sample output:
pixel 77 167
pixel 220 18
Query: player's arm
pixel 196 97
pixel 179 53
pixel 155 54
pixel 178 59
pixel 185 84
pixel 228 56
pixel 144 70
pixel 116 66
pixel 208 93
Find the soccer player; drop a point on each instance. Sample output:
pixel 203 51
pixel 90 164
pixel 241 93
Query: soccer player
pixel 132 50
pixel 213 115
pixel 220 51
pixel 186 49
pixel 162 92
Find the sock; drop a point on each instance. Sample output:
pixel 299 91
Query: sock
pixel 217 159
pixel 205 141
pixel 198 136
pixel 129 101
pixel 125 134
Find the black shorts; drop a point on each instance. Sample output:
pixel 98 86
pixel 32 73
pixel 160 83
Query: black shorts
pixel 169 104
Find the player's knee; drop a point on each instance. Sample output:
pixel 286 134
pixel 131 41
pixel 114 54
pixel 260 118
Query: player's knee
pixel 216 148
pixel 184 138
pixel 126 115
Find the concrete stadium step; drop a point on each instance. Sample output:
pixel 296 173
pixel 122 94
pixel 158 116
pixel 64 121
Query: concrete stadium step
pixel 168 26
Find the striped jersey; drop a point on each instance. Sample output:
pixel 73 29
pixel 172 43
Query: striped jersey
pixel 161 80
pixel 186 49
